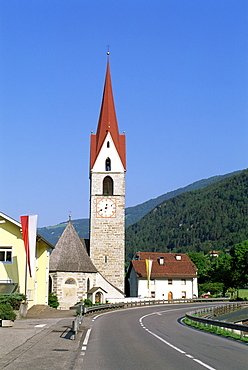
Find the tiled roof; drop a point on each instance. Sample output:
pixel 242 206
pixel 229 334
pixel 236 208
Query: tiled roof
pixel 107 123
pixel 174 265
pixel 70 253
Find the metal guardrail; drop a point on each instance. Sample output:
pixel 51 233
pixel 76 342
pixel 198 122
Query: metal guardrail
pixel 208 312
pixel 101 307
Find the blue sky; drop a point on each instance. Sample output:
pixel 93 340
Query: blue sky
pixel 180 80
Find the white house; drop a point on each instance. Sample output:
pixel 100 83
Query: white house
pixel 162 276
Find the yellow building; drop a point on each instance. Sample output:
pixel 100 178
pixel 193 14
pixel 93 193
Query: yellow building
pixel 13 262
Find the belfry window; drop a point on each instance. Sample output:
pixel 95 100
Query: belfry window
pixel 108 186
pixel 108 164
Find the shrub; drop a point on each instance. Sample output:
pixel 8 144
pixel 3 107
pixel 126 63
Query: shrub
pixel 14 299
pixel 7 312
pixel 88 303
pixel 53 300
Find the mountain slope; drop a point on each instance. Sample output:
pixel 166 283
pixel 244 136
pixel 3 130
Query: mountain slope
pixel 133 214
pixel 53 233
pixel 214 217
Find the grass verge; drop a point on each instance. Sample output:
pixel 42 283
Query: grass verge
pixel 215 329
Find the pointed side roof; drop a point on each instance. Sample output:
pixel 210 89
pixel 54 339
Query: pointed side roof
pixel 107 123
pixel 70 253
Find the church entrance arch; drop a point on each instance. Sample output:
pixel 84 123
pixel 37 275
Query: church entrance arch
pixel 69 292
pixel 170 295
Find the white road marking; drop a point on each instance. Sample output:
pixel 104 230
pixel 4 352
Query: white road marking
pixel 203 364
pixel 86 339
pixel 168 343
pixel 40 326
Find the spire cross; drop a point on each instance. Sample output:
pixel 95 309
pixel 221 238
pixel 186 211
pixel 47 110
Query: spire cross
pixel 108 52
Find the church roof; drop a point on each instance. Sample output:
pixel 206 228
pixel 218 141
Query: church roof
pixel 70 253
pixel 164 265
pixel 107 124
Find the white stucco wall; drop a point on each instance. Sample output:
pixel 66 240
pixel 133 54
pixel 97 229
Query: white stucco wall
pixel 180 288
pixel 160 288
pixel 111 291
pixel 108 152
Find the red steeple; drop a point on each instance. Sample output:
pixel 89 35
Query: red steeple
pixel 107 124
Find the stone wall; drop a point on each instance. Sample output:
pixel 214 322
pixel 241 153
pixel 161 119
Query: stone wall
pixel 107 234
pixel 71 287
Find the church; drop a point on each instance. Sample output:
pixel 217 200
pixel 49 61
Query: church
pixel 94 269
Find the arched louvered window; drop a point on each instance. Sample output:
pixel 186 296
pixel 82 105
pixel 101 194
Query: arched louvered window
pixel 108 186
pixel 70 281
pixel 108 164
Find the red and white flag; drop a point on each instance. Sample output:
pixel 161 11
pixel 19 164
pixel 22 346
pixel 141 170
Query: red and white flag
pixel 29 232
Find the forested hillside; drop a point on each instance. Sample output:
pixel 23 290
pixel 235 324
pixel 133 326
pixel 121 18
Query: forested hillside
pixel 213 218
pixel 133 214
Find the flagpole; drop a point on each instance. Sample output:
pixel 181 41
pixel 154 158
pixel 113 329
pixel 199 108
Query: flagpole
pixel 26 276
pixel 29 233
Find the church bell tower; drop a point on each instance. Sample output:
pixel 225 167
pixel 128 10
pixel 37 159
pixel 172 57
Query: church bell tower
pixel 107 192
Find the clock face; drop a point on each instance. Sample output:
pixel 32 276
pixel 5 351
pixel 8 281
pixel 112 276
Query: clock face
pixel 106 207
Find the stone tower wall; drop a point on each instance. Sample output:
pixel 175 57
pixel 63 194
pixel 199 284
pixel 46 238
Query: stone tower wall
pixel 107 235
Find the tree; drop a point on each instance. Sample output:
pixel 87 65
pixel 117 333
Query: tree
pixel 239 253
pixel 221 271
pixel 202 262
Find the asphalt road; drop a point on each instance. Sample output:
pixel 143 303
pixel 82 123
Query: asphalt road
pixel 154 338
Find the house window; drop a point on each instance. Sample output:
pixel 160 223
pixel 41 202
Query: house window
pixel 161 261
pixel 153 294
pixel 183 294
pixel 6 254
pixel 106 259
pixel 108 164
pixel 29 295
pixel 183 281
pixel 108 186
pixel 169 281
